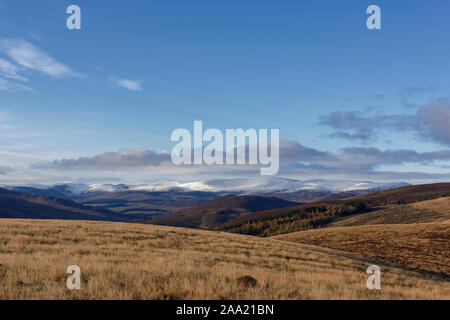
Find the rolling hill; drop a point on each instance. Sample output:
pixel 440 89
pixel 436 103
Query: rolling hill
pixel 420 212
pixel 135 261
pixel 415 235
pixel 15 204
pixel 319 214
pixel 407 194
pixel 149 203
pixel 218 211
pixel 335 196
pixel 421 246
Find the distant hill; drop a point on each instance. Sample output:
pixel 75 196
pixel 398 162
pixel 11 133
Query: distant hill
pixel 218 211
pixel 58 191
pixel 166 197
pixel 407 194
pixel 436 210
pixel 335 196
pixel 14 204
pixel 421 246
pixel 319 214
pixel 149 203
pixel 301 196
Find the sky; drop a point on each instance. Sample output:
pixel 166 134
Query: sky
pixel 99 104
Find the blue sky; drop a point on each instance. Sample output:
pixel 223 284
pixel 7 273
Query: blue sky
pixel 137 70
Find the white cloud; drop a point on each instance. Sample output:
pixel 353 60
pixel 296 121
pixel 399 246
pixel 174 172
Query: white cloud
pixel 11 71
pixel 295 159
pixel 132 85
pixel 429 123
pixel 6 85
pixel 31 57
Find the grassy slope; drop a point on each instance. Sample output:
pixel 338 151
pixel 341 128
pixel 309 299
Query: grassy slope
pixel 143 202
pixel 293 219
pixel 405 194
pixel 420 212
pixel 219 211
pixel 133 261
pixel 33 206
pixel 423 246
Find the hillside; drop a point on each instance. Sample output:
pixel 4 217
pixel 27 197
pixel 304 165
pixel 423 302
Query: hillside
pixel 15 204
pixel 422 246
pixel 407 194
pixel 218 211
pixel 300 196
pixel 322 213
pixel 420 212
pixel 135 261
pixel 149 203
pixel 334 196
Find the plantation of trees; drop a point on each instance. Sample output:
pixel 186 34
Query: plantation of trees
pixel 299 219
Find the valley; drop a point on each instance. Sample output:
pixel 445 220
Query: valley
pixel 186 244
pixel 136 261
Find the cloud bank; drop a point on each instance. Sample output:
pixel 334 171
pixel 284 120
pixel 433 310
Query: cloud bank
pixel 431 123
pixel 295 160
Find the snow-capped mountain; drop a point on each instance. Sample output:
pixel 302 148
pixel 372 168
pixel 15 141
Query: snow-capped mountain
pixel 169 185
pixel 259 185
pixel 106 188
pixel 266 185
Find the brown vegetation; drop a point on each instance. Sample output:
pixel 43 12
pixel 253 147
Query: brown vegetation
pixel 405 195
pixel 133 261
pixel 215 212
pixel 423 246
pixel 420 212
pixel 321 214
pixel 247 281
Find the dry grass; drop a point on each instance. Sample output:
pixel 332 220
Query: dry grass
pixel 128 261
pixel 423 246
pixel 421 212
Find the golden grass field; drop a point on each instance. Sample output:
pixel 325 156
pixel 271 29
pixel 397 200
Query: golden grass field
pixel 415 235
pixel 134 261
pixel 424 246
pixel 421 212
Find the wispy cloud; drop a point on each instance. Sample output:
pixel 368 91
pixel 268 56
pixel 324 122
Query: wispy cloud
pixel 430 123
pixel 132 85
pixel 6 85
pixel 11 71
pixel 31 57
pixel 24 58
pixel 124 158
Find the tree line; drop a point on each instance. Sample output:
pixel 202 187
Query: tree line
pixel 299 219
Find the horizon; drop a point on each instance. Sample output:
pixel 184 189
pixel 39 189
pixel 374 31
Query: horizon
pixel 99 104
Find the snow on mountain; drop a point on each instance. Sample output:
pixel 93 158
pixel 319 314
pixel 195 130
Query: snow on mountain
pixel 197 186
pixel 242 186
pixel 259 184
pixel 106 188
pixel 375 186
pixel 163 185
pixel 265 185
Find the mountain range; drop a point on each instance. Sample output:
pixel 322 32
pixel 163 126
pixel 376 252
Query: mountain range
pixel 260 185
pixel 173 199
